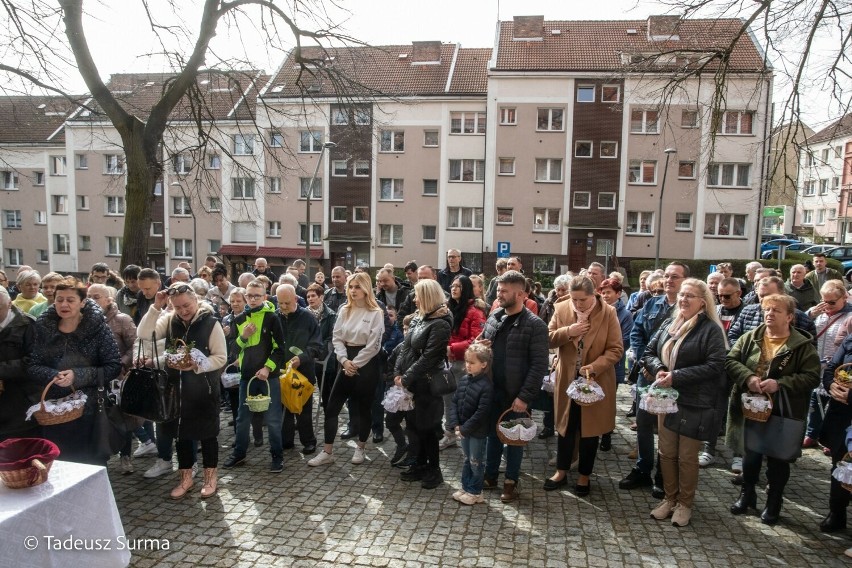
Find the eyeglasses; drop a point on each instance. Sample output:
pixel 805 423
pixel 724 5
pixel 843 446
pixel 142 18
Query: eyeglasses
pixel 255 296
pixel 683 296
pixel 175 290
pixel 726 296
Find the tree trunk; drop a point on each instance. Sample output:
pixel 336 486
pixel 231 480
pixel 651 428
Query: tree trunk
pixel 143 171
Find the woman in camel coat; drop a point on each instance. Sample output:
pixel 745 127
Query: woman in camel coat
pixel 583 324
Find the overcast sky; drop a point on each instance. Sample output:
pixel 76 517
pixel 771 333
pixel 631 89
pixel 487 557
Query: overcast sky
pixel 118 48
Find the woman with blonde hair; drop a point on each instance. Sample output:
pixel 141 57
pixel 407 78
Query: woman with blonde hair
pixel 48 288
pixel 357 341
pixel 28 283
pixel 688 355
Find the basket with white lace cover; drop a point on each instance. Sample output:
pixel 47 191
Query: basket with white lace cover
pixel 756 406
pixel 59 410
pixel 548 384
pixel 585 391
pixel 398 399
pixel 658 400
pixel 843 472
pixel 516 431
pixel 183 357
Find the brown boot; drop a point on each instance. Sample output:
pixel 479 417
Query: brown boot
pixel 510 491
pixel 210 482
pixel 185 484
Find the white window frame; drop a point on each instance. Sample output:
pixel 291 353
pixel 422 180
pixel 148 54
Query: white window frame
pixel 339 116
pixel 391 235
pixel 335 210
pixel 736 130
pixel 823 186
pixel 608 143
pixel 43 256
pixel 113 164
pixel 360 214
pixel 115 205
pixel 476 167
pixel 214 249
pixel 181 206
pixel 807 216
pixel 427 134
pixel 14 257
pixel 114 246
pixel 310 141
pixel 641 164
pixel 685 114
pixel 617 94
pixel 361 168
pixel 84 242
pixel 273 184
pixel 729 220
pixel 214 204
pixel 276 139
pixel 504 210
pixel 339 168
pixel 832 213
pixel 614 200
pixel 545 119
pixel 59 204
pixel 38 178
pixel 244 144
pixel 182 164
pixel 552 170
pixel 717 168
pixel 577 201
pixel 645 124
pixel 820 216
pixel 506 166
pixel 242 188
pixel 430 182
pixel 214 162
pixel 578 144
pixel 392 141
pixel 11 180
pixel 58 165
pixel 585 89
pixel 40 217
pixel 426 239
pixel 61 243
pixel 181 248
pixel 641 221
pixel 12 219
pixel 363 117
pixel 82 203
pixel 810 188
pixel 81 161
pixel 273 229
pixel 461 118
pixel 316 233
pixel 680 225
pixel 154 229
pixel 456 218
pixel 304 183
pixel 546 226
pixel 544 264
pixel 391 189
pixel 686 163
pixel 508 116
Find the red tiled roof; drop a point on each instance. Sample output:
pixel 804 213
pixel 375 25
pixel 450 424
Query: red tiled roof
pixel 598 45
pixel 380 70
pixel 837 129
pixel 237 250
pixel 267 252
pixel 33 119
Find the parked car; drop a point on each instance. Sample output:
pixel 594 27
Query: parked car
pixel 812 250
pixel 773 245
pixel 765 237
pixel 847 270
pixel 805 248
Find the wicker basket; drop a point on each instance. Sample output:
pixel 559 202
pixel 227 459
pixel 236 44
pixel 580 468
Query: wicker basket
pixel 258 402
pixel 843 472
pixel 232 379
pixel 185 363
pixel 507 438
pixel 585 391
pixel 46 418
pixel 756 415
pixel 843 375
pixel 29 460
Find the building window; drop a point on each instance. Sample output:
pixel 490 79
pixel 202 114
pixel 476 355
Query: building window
pixel 273 184
pixel 810 188
pixel 583 149
pixel 362 168
pixel 361 214
pixel 11 218
pixel 180 206
pixel 243 144
pixel 338 214
pixel 310 141
pixel 182 164
pixel 728 175
pixel 43 255
pixel 276 140
pixel 586 94
pixel 548 169
pixel 242 188
pixel 214 204
pixel 316 233
pixel 392 141
pixel 81 161
pixel 10 180
pixel 546 220
pixel 390 235
pixel 391 189
pixel 838 151
pixel 14 257
pixel 114 246
pixel 430 138
pixel 544 264
pixel 464 217
pixel 689 119
pixel 683 221
pixel 686 170
pixel 467 170
pixel 820 217
pixel 724 225
pixel 835 184
pixel 339 116
pixel 550 119
pixel 430 187
pixel 38 178
pixel 157 229
pixel 243 232
pixel 604 247
pixel 832 214
pixel 305 183
pixel 505 216
pixel 213 246
pixel 158 188
pixel 214 162
pixel 82 203
pixel 57 165
pixel 582 200
pixel 273 229
pixel 362 116
pixel 508 116
pixel 640 223
pixel 809 158
pixel 61 244
pixel 114 205
pixel 470 122
pixel 823 187
pixel 506 167
pixel 644 121
pixel 610 94
pixel 825 152
pixel 113 164
pixel 606 200
pixel 609 149
pixel 735 122
pixel 807 217
pixel 84 242
pixel 642 172
pixel 182 248
pixel 60 204
pixel 429 233
pixel 40 217
pixel 339 168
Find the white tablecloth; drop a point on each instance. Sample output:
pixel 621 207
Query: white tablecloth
pixel 76 502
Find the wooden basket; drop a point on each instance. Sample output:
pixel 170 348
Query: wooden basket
pixel 750 414
pixel 183 364
pixel 46 418
pixel 505 439
pixel 35 474
pixel 843 375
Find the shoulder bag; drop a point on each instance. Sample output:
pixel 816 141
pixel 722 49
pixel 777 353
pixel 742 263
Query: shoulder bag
pixel 443 381
pixel 110 432
pixel 148 392
pixel 780 437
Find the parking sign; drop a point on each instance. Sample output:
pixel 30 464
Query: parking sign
pixel 503 249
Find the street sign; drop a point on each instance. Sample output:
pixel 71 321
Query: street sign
pixel 503 249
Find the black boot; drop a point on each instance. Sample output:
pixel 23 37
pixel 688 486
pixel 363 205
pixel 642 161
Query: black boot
pixel 657 490
pixel 748 499
pixel 772 511
pixel 413 473
pixel 834 521
pixel 606 442
pixel 432 479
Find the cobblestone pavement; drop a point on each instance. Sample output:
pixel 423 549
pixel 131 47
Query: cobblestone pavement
pixel 346 514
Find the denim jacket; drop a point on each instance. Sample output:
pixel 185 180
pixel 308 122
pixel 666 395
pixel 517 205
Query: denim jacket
pixel 655 311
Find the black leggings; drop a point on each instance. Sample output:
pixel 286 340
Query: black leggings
pixel 427 453
pixel 361 388
pixel 186 453
pixel 565 445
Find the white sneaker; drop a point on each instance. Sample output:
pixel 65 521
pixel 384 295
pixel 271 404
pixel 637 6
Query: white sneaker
pixel 195 469
pixel 705 459
pixel 458 494
pixel 359 455
pixel 447 441
pixel 126 465
pixel 737 465
pixel 469 499
pixel 848 552
pixel 147 449
pixel 321 458
pixel 159 468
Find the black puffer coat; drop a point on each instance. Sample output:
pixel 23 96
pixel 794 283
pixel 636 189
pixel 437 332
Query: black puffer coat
pixel 471 406
pixel 19 393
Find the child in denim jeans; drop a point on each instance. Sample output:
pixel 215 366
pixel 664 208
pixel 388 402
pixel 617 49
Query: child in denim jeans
pixel 469 417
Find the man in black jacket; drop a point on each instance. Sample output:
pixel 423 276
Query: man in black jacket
pixel 393 292
pixel 454 268
pixel 519 342
pixel 18 392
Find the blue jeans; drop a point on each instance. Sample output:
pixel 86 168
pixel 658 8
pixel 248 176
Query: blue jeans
pixel 816 414
pixel 274 417
pixel 494 450
pixel 644 432
pixel 473 470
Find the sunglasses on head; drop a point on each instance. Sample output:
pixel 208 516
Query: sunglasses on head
pixel 182 289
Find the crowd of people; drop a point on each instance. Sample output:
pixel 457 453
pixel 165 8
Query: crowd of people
pixel 713 341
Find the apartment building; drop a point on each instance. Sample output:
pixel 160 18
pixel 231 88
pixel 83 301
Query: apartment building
pixel 824 204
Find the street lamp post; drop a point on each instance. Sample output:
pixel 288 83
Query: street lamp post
pixel 668 152
pixel 309 192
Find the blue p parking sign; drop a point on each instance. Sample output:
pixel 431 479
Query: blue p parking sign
pixel 503 249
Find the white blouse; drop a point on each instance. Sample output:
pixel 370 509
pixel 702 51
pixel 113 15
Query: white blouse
pixel 361 327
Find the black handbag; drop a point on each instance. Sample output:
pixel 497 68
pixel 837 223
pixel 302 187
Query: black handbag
pixel 149 393
pixel 110 425
pixel 443 381
pixel 780 437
